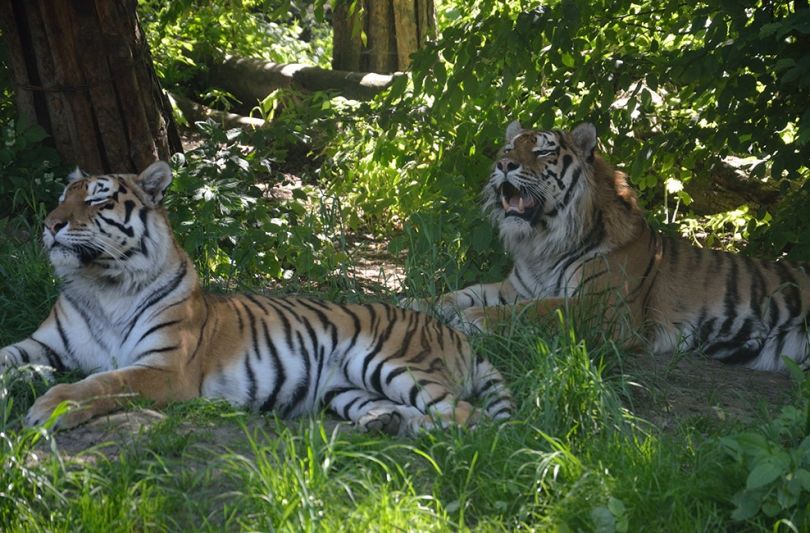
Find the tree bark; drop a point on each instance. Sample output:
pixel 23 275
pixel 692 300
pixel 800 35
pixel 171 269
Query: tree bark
pixel 394 29
pixel 194 112
pixel 251 79
pixel 82 70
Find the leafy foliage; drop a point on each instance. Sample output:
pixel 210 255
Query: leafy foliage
pixel 225 214
pixel 181 32
pixel 777 460
pixel 672 87
pixel 30 170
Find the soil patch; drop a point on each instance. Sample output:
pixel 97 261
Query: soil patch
pixel 669 391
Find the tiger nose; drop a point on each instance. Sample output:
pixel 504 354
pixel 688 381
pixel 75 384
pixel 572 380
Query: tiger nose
pixel 54 225
pixel 507 165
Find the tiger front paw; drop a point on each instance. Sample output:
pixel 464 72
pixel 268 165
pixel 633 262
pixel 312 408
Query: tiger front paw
pixel 422 305
pixel 470 321
pixel 78 410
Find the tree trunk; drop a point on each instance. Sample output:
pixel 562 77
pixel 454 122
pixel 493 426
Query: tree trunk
pixel 82 70
pixel 393 29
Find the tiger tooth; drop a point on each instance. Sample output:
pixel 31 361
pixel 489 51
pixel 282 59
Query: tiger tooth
pixel 520 205
pixel 505 204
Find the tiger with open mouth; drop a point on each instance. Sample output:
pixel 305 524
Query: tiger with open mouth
pixel 578 239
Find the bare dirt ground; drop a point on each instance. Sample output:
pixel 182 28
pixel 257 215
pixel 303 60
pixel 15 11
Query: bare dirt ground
pixel 669 391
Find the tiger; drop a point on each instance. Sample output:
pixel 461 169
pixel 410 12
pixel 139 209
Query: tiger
pixel 132 316
pixel 580 244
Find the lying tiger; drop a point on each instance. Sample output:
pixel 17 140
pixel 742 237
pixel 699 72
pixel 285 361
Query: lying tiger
pixel 131 314
pixel 579 240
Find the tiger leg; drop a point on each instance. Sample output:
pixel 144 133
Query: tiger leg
pixel 436 401
pixel 451 304
pixel 487 319
pixel 45 350
pixel 108 391
pixel 370 411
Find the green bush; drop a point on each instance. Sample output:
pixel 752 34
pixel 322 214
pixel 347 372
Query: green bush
pixel 672 87
pixel 225 215
pixel 182 32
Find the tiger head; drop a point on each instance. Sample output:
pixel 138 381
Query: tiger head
pixel 110 223
pixel 536 176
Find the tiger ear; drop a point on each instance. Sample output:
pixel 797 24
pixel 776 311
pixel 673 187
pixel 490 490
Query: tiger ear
pixel 584 137
pixel 512 130
pixel 77 174
pixel 155 180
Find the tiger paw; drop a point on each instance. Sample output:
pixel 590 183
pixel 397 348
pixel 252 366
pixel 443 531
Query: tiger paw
pixel 77 411
pixel 416 304
pixel 470 321
pixel 381 421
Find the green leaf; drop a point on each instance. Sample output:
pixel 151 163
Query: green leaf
pixel 763 474
pixel 803 476
pixel 568 60
pixel 747 506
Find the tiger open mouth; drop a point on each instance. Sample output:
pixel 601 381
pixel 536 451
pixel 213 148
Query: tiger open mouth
pixel 516 204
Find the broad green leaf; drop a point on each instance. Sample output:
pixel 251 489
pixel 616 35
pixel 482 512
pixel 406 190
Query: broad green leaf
pixel 763 474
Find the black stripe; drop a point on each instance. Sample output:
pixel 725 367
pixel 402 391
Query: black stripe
pixel 504 410
pixel 394 373
pixel 202 332
pixel 325 322
pixel 239 320
pixel 591 241
pixel 789 289
pixel 348 406
pixel 251 381
pixel 567 160
pixel 154 351
pixel 90 322
pixel 129 205
pixel 302 387
pixel 571 187
pixel 331 394
pixel 25 358
pixel 526 289
pixel 54 359
pixel 280 373
pixel 285 324
pixel 158 295
pixel 155 328
pixel 732 296
pixel 355 322
pixel 435 401
pixel 410 333
pixel 381 339
pixel 62 335
pixel 631 296
pixel 128 231
pixel 256 302
pixel 254 337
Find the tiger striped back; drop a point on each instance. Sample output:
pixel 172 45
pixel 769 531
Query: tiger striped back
pixel 132 315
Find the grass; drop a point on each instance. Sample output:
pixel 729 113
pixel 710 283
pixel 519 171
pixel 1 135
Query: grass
pixel 573 458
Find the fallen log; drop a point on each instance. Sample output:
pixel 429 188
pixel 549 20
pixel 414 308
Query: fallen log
pixel 251 79
pixel 195 112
